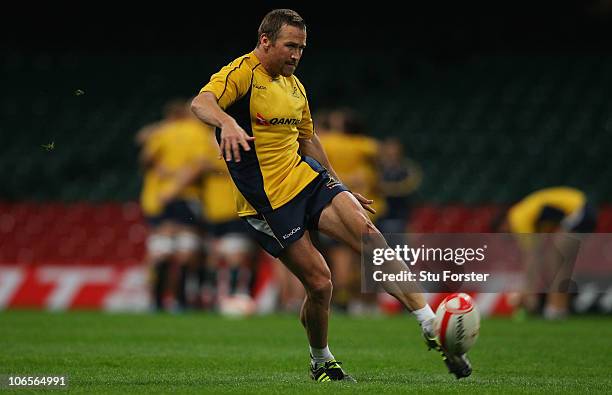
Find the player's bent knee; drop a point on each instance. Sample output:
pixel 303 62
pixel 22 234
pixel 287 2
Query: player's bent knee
pixel 319 287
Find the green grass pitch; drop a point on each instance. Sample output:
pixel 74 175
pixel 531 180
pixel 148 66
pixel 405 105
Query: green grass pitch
pixel 205 353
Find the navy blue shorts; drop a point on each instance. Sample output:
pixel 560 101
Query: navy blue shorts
pixel 275 230
pixel 184 212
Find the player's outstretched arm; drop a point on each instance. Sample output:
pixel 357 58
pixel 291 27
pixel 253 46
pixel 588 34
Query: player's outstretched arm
pixel 233 137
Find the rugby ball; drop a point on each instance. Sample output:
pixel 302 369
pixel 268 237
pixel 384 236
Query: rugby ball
pixel 457 323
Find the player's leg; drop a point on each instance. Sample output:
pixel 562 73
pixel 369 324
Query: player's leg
pixel 345 220
pixel 159 249
pixel 284 234
pixel 188 247
pixel 185 215
pixel 239 255
pixel 308 265
pixel 341 260
pixel 566 246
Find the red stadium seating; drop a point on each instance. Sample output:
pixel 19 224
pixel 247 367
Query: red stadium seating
pixel 79 233
pixel 114 233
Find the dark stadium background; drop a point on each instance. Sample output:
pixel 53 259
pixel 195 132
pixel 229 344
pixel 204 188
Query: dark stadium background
pixel 494 101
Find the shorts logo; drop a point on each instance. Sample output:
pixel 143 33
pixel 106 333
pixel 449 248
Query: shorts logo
pixel 332 183
pixel 293 231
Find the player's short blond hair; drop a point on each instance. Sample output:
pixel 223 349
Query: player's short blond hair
pixel 274 21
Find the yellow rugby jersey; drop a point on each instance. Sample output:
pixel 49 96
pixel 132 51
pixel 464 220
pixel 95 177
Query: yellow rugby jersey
pixel 275 111
pixel 354 157
pixel 524 216
pixel 218 202
pixel 177 144
pixel 150 186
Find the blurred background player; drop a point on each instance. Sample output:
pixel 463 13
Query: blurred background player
pixel 559 210
pixel 354 156
pixel 233 258
pixel 173 157
pixel 232 255
pixel 355 153
pixel 400 177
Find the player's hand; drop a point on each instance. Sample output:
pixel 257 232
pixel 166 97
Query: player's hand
pixel 233 137
pixel 365 202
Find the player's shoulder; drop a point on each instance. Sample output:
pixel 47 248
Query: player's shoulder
pixel 243 64
pixel 239 70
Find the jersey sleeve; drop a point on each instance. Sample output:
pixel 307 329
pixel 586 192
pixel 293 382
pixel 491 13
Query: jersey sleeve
pixel 230 84
pixel 306 125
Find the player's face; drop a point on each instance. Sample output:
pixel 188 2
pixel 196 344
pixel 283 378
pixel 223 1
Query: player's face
pixel 287 50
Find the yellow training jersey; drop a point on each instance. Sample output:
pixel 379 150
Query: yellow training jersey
pixel 524 216
pixel 218 200
pixel 275 111
pixel 353 157
pixel 175 145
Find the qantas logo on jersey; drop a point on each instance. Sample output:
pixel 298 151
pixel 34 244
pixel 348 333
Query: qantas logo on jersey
pixel 284 121
pixel 260 120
